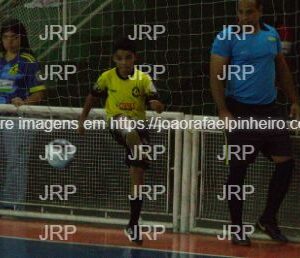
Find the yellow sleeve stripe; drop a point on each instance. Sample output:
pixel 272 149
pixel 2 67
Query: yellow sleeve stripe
pixel 37 88
pixel 28 57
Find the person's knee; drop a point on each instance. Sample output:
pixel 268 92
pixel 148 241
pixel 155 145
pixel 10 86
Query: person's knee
pixel 137 175
pixel 142 164
pixel 281 159
pixel 137 159
pixel 286 167
pixel 238 167
pixel 237 173
pixel 132 138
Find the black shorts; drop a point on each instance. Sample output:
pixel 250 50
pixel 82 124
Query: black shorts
pixel 271 142
pixel 144 136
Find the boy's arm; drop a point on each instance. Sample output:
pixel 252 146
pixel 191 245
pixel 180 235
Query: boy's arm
pixel 153 98
pixel 34 99
pixel 90 101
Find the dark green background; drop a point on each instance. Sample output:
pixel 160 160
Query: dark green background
pixel 184 48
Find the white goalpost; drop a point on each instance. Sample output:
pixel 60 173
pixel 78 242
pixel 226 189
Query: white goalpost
pixel 91 174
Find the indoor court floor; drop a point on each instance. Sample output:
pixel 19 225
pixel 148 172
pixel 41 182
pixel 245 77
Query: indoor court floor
pixel 20 239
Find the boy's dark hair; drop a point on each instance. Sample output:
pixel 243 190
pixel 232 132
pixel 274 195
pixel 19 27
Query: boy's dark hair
pixel 124 44
pixel 17 27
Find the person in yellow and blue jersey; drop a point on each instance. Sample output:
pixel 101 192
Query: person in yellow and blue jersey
pixel 19 85
pixel 128 93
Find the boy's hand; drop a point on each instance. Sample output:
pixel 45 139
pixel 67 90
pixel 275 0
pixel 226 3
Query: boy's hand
pixel 157 106
pixel 17 102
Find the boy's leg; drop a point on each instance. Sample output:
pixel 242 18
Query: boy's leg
pixel 131 139
pixel 137 179
pixel 136 203
pixel 137 170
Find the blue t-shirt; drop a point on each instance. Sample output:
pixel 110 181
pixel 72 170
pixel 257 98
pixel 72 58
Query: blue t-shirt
pixel 19 78
pixel 256 53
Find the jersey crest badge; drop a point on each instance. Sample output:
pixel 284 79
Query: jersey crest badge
pixel 136 92
pixel 272 39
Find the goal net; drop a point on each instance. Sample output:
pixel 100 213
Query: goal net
pixel 178 59
pixel 184 47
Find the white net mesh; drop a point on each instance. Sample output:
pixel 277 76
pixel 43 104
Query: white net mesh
pixel 97 171
pixel 214 176
pixel 184 50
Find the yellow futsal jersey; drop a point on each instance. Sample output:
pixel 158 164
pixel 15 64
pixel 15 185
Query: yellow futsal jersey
pixel 126 97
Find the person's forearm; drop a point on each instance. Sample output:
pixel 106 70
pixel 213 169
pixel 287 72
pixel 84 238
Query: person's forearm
pixel 286 79
pixel 88 105
pixel 34 98
pixel 217 65
pixel 218 92
pixel 156 105
pixel 287 84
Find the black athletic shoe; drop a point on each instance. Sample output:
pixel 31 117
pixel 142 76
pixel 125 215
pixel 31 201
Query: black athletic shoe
pixel 239 240
pixel 272 230
pixel 133 233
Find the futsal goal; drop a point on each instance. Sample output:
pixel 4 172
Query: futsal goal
pixel 188 168
pixel 97 175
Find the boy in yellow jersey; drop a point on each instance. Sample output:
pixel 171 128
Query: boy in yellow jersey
pixel 129 91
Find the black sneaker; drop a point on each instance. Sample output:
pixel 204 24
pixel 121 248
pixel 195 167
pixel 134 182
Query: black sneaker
pixel 272 230
pixel 239 240
pixel 133 234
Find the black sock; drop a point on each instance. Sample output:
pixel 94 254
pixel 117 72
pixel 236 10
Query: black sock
pixel 135 211
pixel 278 188
pixel 236 177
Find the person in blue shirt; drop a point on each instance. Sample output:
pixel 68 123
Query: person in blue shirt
pixel 19 85
pixel 256 56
